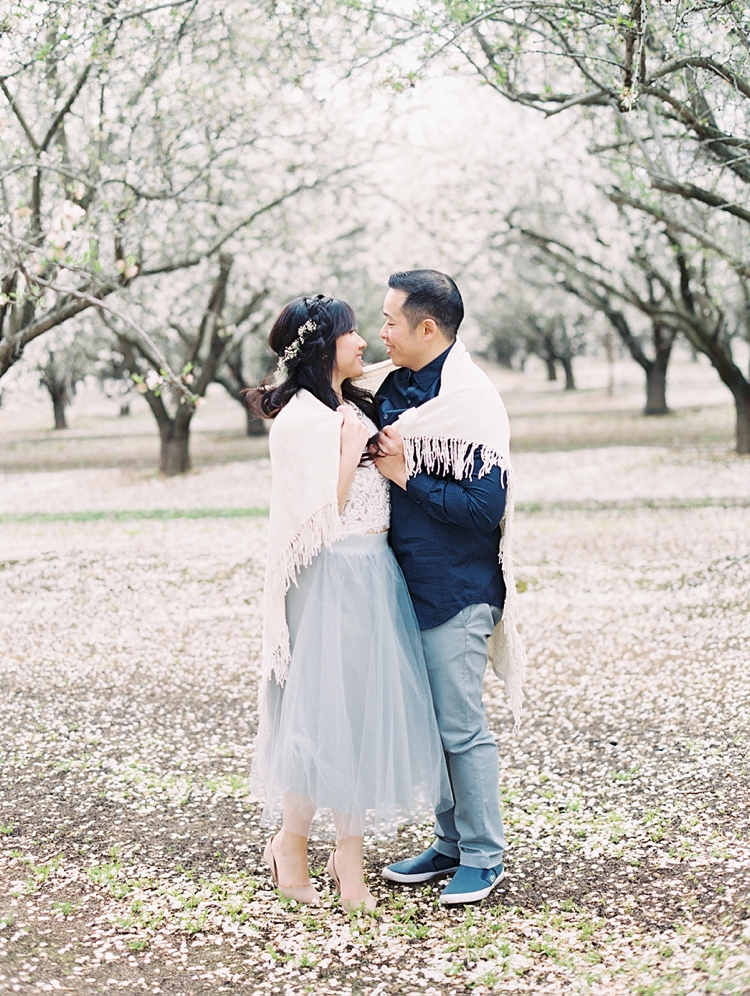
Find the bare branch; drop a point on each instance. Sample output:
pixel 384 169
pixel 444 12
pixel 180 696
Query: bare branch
pixel 623 199
pixel 584 99
pixel 197 258
pixel 215 305
pixel 690 192
pixel 86 300
pixel 173 4
pixel 251 307
pixel 19 115
pixel 698 62
pixel 12 347
pixel 60 117
pixel 713 137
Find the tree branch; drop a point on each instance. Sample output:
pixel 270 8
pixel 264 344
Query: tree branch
pixel 698 62
pixel 713 137
pixel 252 306
pixel 625 200
pixel 690 192
pixel 12 347
pixel 222 240
pixel 214 307
pixel 212 316
pixel 19 116
pixel 52 131
pixel 86 300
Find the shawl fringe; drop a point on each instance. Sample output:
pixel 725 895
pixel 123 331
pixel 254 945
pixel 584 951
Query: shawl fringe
pixel 321 529
pixel 448 456
pixel 507 653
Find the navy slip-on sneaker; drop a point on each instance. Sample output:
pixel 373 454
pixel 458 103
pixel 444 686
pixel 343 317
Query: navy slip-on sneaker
pixel 469 885
pixel 429 864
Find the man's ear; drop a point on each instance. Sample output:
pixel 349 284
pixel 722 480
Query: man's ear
pixel 430 329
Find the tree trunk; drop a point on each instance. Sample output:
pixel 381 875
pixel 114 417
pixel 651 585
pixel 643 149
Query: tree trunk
pixel 175 447
pixel 255 426
pixel 656 390
pixel 59 402
pixel 609 348
pixel 718 352
pixel 567 363
pixel 551 367
pixel 656 372
pixel 741 394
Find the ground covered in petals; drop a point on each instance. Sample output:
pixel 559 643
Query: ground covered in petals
pixel 131 853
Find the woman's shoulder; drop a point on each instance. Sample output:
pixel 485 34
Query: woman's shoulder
pixel 304 413
pixel 362 416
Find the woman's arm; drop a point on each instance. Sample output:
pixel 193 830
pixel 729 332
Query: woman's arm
pixel 354 436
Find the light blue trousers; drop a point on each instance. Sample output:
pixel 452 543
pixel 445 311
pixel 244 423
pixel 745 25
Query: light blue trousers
pixel 456 658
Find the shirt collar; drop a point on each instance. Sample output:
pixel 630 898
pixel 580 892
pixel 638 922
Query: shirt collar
pixel 426 377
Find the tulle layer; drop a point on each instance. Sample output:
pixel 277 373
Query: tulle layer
pixel 353 729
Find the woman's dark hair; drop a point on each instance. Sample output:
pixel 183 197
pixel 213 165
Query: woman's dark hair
pixel 312 365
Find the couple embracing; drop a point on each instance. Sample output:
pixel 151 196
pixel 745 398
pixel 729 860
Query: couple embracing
pixel 389 579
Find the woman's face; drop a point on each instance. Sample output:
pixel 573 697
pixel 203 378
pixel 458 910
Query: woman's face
pixel 349 349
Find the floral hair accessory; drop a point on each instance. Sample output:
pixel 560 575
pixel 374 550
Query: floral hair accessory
pixel 293 349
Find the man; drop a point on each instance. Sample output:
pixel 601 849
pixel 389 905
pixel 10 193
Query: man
pixel 448 465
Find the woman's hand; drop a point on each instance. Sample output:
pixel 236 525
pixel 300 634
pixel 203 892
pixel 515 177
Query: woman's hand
pixel 354 433
pixel 354 436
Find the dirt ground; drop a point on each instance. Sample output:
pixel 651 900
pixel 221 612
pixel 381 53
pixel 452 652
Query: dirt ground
pixel 130 850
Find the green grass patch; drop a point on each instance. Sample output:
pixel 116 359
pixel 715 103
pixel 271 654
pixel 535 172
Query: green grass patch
pixel 166 514
pixel 630 504
pixel 135 514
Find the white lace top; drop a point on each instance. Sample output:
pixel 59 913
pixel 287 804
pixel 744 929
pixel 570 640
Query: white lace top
pixel 368 507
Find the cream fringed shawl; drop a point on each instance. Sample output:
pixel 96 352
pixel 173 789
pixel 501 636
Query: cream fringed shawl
pixel 444 434
pixel 304 443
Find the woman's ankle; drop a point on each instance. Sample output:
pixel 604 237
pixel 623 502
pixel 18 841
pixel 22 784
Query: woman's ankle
pixel 290 855
pixel 348 862
pixel 288 844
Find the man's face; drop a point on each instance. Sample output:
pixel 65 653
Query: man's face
pixel 405 345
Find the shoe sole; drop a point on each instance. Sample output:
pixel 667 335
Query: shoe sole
pixel 394 876
pixel 469 897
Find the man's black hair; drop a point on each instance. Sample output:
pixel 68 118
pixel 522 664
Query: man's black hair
pixel 431 294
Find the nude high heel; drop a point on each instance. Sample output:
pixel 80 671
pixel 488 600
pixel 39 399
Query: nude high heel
pixel 368 902
pixel 299 893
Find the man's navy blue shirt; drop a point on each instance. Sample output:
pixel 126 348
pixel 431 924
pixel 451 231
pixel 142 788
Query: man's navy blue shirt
pixel 445 533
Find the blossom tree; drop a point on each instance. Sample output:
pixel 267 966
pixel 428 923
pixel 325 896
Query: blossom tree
pixel 662 90
pixel 142 146
pixel 665 92
pixel 62 365
pixel 196 346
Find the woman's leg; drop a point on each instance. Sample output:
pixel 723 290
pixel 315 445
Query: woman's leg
pixel 347 861
pixel 290 843
pixel 348 865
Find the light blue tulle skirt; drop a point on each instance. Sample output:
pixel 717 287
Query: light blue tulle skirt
pixel 352 732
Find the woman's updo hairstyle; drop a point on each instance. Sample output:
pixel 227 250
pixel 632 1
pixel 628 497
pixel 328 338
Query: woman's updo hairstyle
pixel 304 338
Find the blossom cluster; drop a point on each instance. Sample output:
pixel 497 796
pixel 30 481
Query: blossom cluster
pixel 293 349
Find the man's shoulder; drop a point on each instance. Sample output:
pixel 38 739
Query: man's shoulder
pixel 391 382
pixel 375 375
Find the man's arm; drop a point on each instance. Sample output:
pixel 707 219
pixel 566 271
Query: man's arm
pixel 478 503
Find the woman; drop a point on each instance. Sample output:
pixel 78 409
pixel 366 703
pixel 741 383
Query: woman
pixel 346 718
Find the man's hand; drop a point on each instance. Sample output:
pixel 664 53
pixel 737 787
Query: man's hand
pixel 392 464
